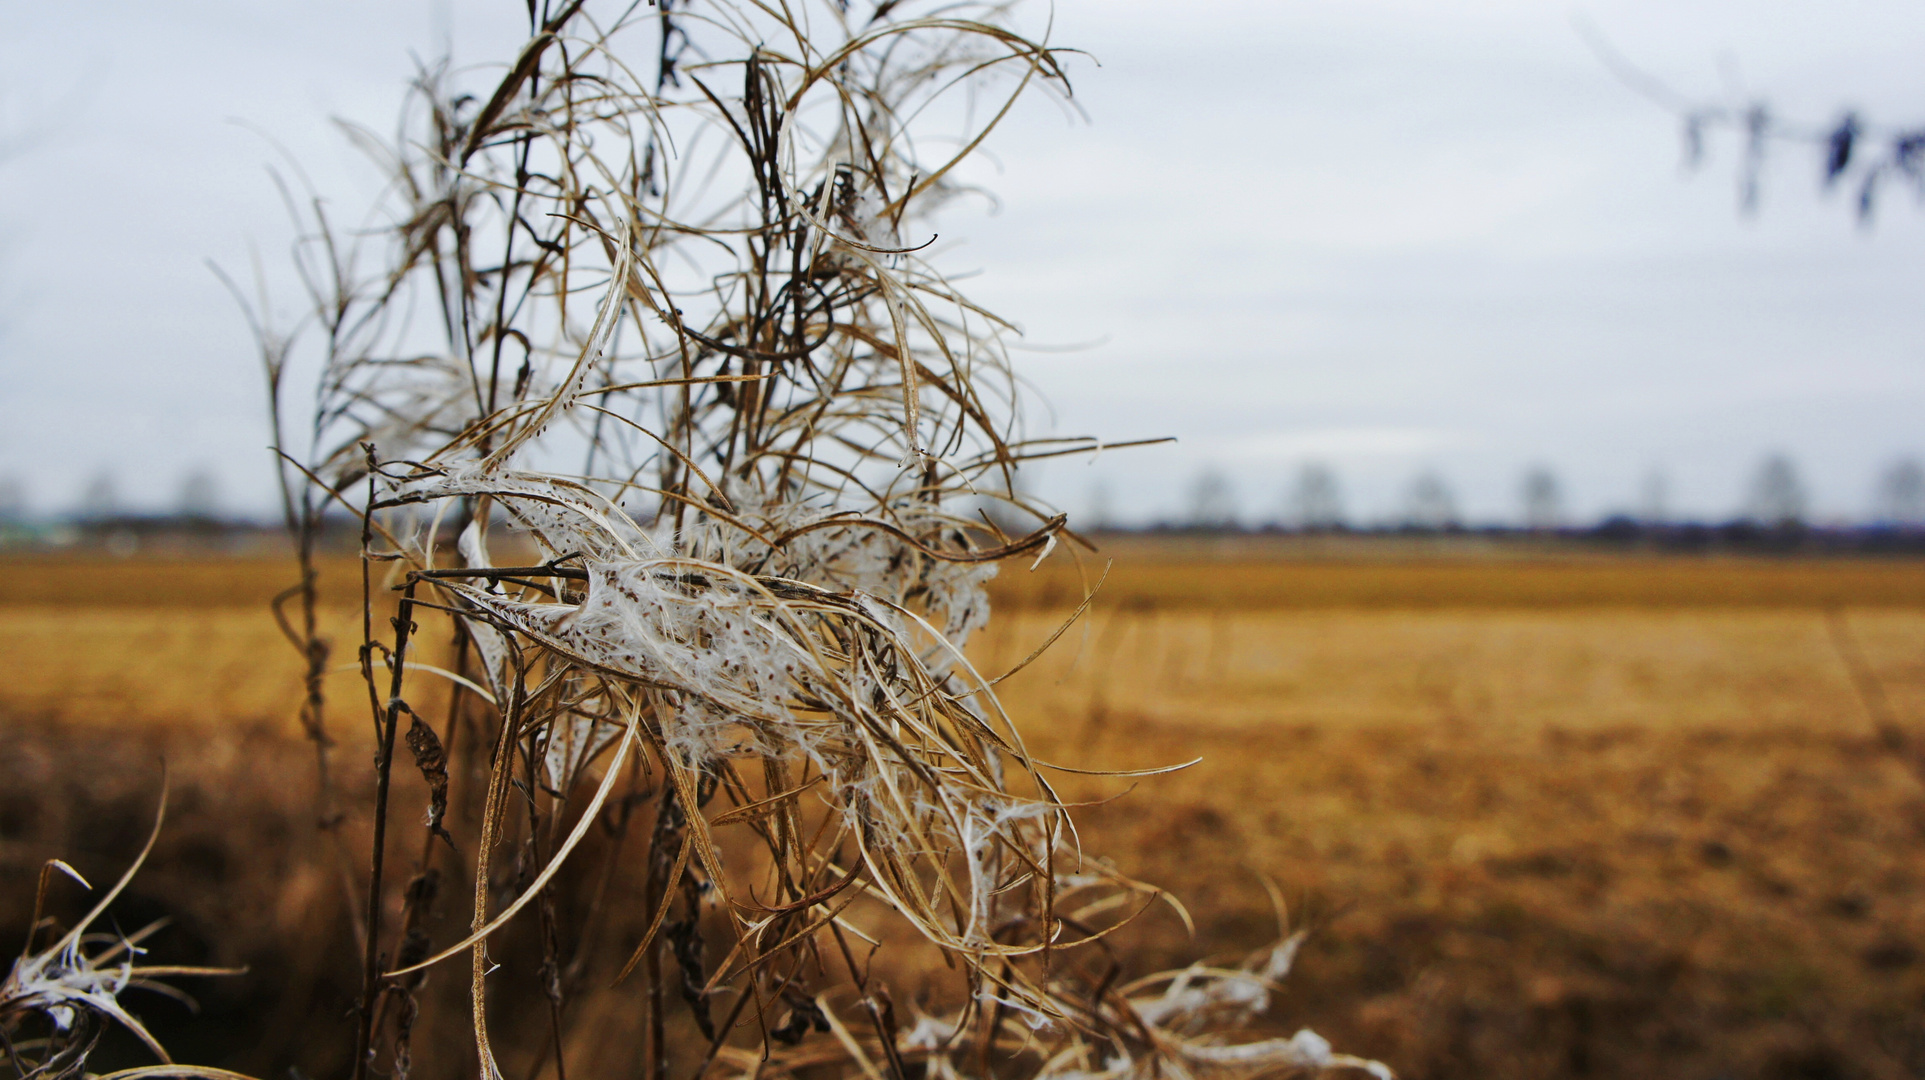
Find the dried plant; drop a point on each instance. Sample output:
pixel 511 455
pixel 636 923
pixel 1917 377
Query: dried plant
pixel 676 326
pixel 56 1003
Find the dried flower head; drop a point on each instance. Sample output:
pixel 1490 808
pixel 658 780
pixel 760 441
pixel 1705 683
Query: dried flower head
pixel 677 329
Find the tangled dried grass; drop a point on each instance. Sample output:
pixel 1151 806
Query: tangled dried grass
pixel 709 284
pixel 56 1003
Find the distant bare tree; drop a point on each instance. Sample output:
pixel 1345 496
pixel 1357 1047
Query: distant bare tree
pixel 1901 493
pixel 1315 503
pixel 1777 495
pixel 200 495
pixel 1543 500
pixel 1213 502
pixel 1101 509
pixel 1431 505
pixel 13 500
pixel 1654 498
pixel 100 499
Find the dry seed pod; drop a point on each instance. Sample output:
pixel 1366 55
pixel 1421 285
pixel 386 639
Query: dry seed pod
pixel 661 304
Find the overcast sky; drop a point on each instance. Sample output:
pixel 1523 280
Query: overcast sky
pixel 1388 235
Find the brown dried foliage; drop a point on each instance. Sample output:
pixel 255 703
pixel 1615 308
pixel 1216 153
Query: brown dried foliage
pixel 747 606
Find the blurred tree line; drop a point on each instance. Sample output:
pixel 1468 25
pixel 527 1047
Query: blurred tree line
pixel 1774 499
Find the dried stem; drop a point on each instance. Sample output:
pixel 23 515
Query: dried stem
pixel 711 286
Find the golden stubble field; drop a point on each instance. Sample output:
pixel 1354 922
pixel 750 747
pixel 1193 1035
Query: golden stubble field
pixel 1550 815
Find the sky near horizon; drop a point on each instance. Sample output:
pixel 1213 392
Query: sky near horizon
pixel 1392 236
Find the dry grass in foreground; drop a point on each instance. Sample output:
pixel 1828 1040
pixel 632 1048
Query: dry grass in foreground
pixel 1650 833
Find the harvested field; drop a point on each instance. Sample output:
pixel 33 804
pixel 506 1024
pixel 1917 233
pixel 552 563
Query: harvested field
pixel 1551 817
